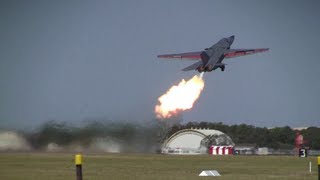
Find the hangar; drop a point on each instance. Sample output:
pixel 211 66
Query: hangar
pixel 195 141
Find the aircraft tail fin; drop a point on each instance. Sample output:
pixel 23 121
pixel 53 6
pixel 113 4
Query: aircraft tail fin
pixel 193 66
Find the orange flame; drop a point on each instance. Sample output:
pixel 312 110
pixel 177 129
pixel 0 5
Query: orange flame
pixel 179 98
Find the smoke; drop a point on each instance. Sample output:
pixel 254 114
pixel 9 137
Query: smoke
pixel 93 136
pixel 13 141
pixel 107 144
pixel 179 97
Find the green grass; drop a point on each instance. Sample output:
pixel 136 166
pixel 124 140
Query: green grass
pixel 33 166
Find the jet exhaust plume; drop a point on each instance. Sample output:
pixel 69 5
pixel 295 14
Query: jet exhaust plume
pixel 201 75
pixel 179 97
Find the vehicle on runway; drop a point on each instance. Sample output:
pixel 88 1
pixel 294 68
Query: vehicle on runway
pixel 211 58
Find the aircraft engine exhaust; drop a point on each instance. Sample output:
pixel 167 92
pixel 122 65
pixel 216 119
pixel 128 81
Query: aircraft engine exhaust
pixel 179 97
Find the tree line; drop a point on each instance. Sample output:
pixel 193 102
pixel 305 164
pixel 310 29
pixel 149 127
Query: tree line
pixel 141 137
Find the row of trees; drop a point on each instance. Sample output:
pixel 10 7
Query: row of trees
pixel 279 137
pixel 140 137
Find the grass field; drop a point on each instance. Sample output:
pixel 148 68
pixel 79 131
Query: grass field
pixel 32 166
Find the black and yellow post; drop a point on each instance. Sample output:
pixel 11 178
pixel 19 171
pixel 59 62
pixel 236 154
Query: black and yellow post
pixel 318 167
pixel 78 162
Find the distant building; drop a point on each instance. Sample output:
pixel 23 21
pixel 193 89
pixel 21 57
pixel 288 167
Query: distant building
pixel 195 141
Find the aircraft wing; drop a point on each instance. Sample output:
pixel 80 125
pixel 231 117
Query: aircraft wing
pixel 188 55
pixel 242 52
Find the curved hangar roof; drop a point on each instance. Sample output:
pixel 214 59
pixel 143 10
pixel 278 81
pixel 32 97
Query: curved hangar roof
pixel 189 138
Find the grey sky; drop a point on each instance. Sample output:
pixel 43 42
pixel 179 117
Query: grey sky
pixel 72 60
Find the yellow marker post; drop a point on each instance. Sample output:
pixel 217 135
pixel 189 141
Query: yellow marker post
pixel 318 167
pixel 78 162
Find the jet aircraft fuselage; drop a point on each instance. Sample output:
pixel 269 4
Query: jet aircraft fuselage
pixel 211 58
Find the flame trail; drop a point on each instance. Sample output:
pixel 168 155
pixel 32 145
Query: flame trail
pixel 179 97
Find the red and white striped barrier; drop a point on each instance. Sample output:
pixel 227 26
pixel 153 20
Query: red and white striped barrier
pixel 221 150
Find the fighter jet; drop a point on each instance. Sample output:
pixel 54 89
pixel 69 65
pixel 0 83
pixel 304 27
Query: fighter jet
pixel 211 58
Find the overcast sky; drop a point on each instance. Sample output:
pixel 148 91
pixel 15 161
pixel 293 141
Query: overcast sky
pixel 74 60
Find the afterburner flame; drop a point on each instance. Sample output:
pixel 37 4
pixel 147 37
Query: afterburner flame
pixel 179 97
